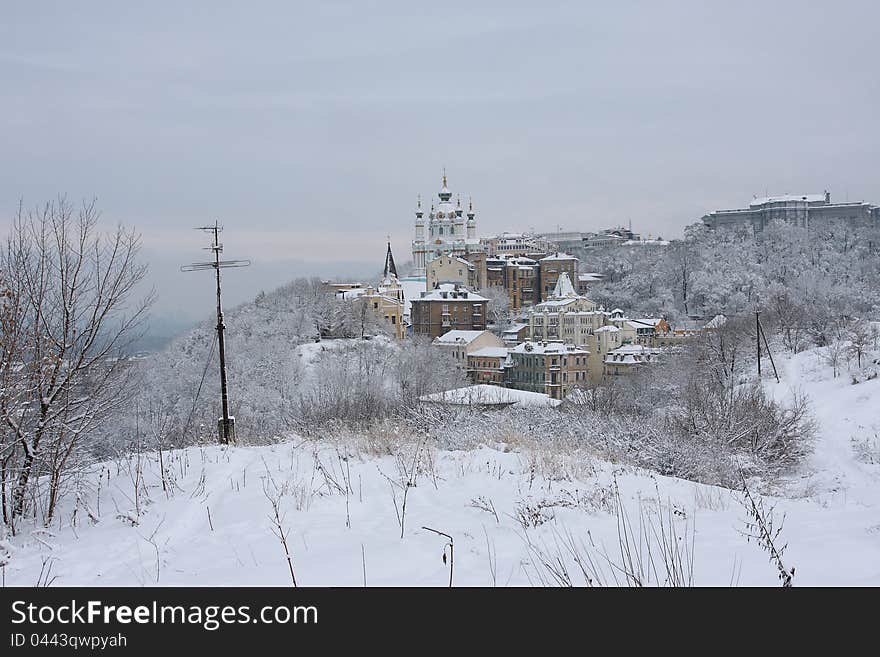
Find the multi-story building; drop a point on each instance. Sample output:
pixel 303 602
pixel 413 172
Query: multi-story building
pixel 488 365
pixel 587 280
pixel 450 269
pixel 488 270
pixel 446 232
pixel 518 244
pixel 515 333
pixel 448 307
pixel 806 211
pixel 552 266
pixel 457 345
pixel 565 315
pixel 627 358
pixel 522 280
pixel 553 368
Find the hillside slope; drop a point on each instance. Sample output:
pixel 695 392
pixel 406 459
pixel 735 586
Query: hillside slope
pixel 211 525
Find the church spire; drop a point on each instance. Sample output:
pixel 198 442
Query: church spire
pixel 445 194
pixel 390 267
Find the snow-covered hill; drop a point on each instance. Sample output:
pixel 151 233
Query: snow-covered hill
pixel 510 509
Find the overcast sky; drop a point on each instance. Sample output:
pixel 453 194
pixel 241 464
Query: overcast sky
pixel 309 128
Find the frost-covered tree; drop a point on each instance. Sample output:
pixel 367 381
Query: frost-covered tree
pixel 71 319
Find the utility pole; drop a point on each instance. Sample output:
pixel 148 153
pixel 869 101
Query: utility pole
pixel 225 424
pixel 758 339
pixel 759 335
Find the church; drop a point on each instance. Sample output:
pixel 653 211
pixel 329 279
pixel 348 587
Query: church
pixel 446 232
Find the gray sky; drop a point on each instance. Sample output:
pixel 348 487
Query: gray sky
pixel 309 128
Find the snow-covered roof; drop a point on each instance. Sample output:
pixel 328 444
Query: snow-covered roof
pixel 559 255
pixel 716 322
pixel 490 352
pixel 563 289
pixel 607 329
pixel 447 291
pixel 591 277
pixel 515 328
pixel 458 337
pixel 632 354
pixel 644 322
pixel 488 395
pixel 809 198
pixel 455 258
pixel 547 348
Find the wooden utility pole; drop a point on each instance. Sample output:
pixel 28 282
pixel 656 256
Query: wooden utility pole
pixel 225 424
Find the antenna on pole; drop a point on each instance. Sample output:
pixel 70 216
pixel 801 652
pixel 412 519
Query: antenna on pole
pixel 225 424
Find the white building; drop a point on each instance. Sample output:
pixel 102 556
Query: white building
pixel 446 233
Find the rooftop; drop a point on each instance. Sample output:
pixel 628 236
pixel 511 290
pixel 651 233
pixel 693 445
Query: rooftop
pixel 490 352
pixel 458 337
pixel 487 395
pixel 446 291
pixel 547 348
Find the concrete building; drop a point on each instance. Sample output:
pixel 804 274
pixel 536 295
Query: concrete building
pixel 518 244
pixel 456 345
pixel 514 334
pixel 565 316
pixel 586 281
pixel 552 266
pixel 627 358
pixel 805 211
pixel 450 269
pixel 553 368
pixel 488 365
pixel 448 307
pixel 522 280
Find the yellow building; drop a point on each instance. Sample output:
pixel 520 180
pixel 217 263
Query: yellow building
pixel 450 269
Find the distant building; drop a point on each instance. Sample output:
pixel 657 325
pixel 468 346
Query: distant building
pixel 457 345
pixel 385 302
pixel 518 244
pixel 552 266
pixel 514 334
pixel 565 315
pixel 806 211
pixel 522 280
pixel 488 365
pixel 448 307
pixel 446 232
pixel 587 280
pixel 553 368
pixel 450 269
pixel 627 358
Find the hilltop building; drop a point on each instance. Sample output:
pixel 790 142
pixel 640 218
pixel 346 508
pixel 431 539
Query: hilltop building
pixel 447 231
pixel 448 307
pixel 805 211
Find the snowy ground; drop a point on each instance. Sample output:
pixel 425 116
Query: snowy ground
pixel 542 501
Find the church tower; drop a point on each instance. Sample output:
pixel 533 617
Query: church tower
pixel 446 232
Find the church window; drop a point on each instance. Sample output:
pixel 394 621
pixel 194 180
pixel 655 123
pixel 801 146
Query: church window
pixel 441 230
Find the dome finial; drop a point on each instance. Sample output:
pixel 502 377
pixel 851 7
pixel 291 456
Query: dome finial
pixel 444 178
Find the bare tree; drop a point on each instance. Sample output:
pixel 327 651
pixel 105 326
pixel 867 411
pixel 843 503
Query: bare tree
pixel 72 320
pixel 861 339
